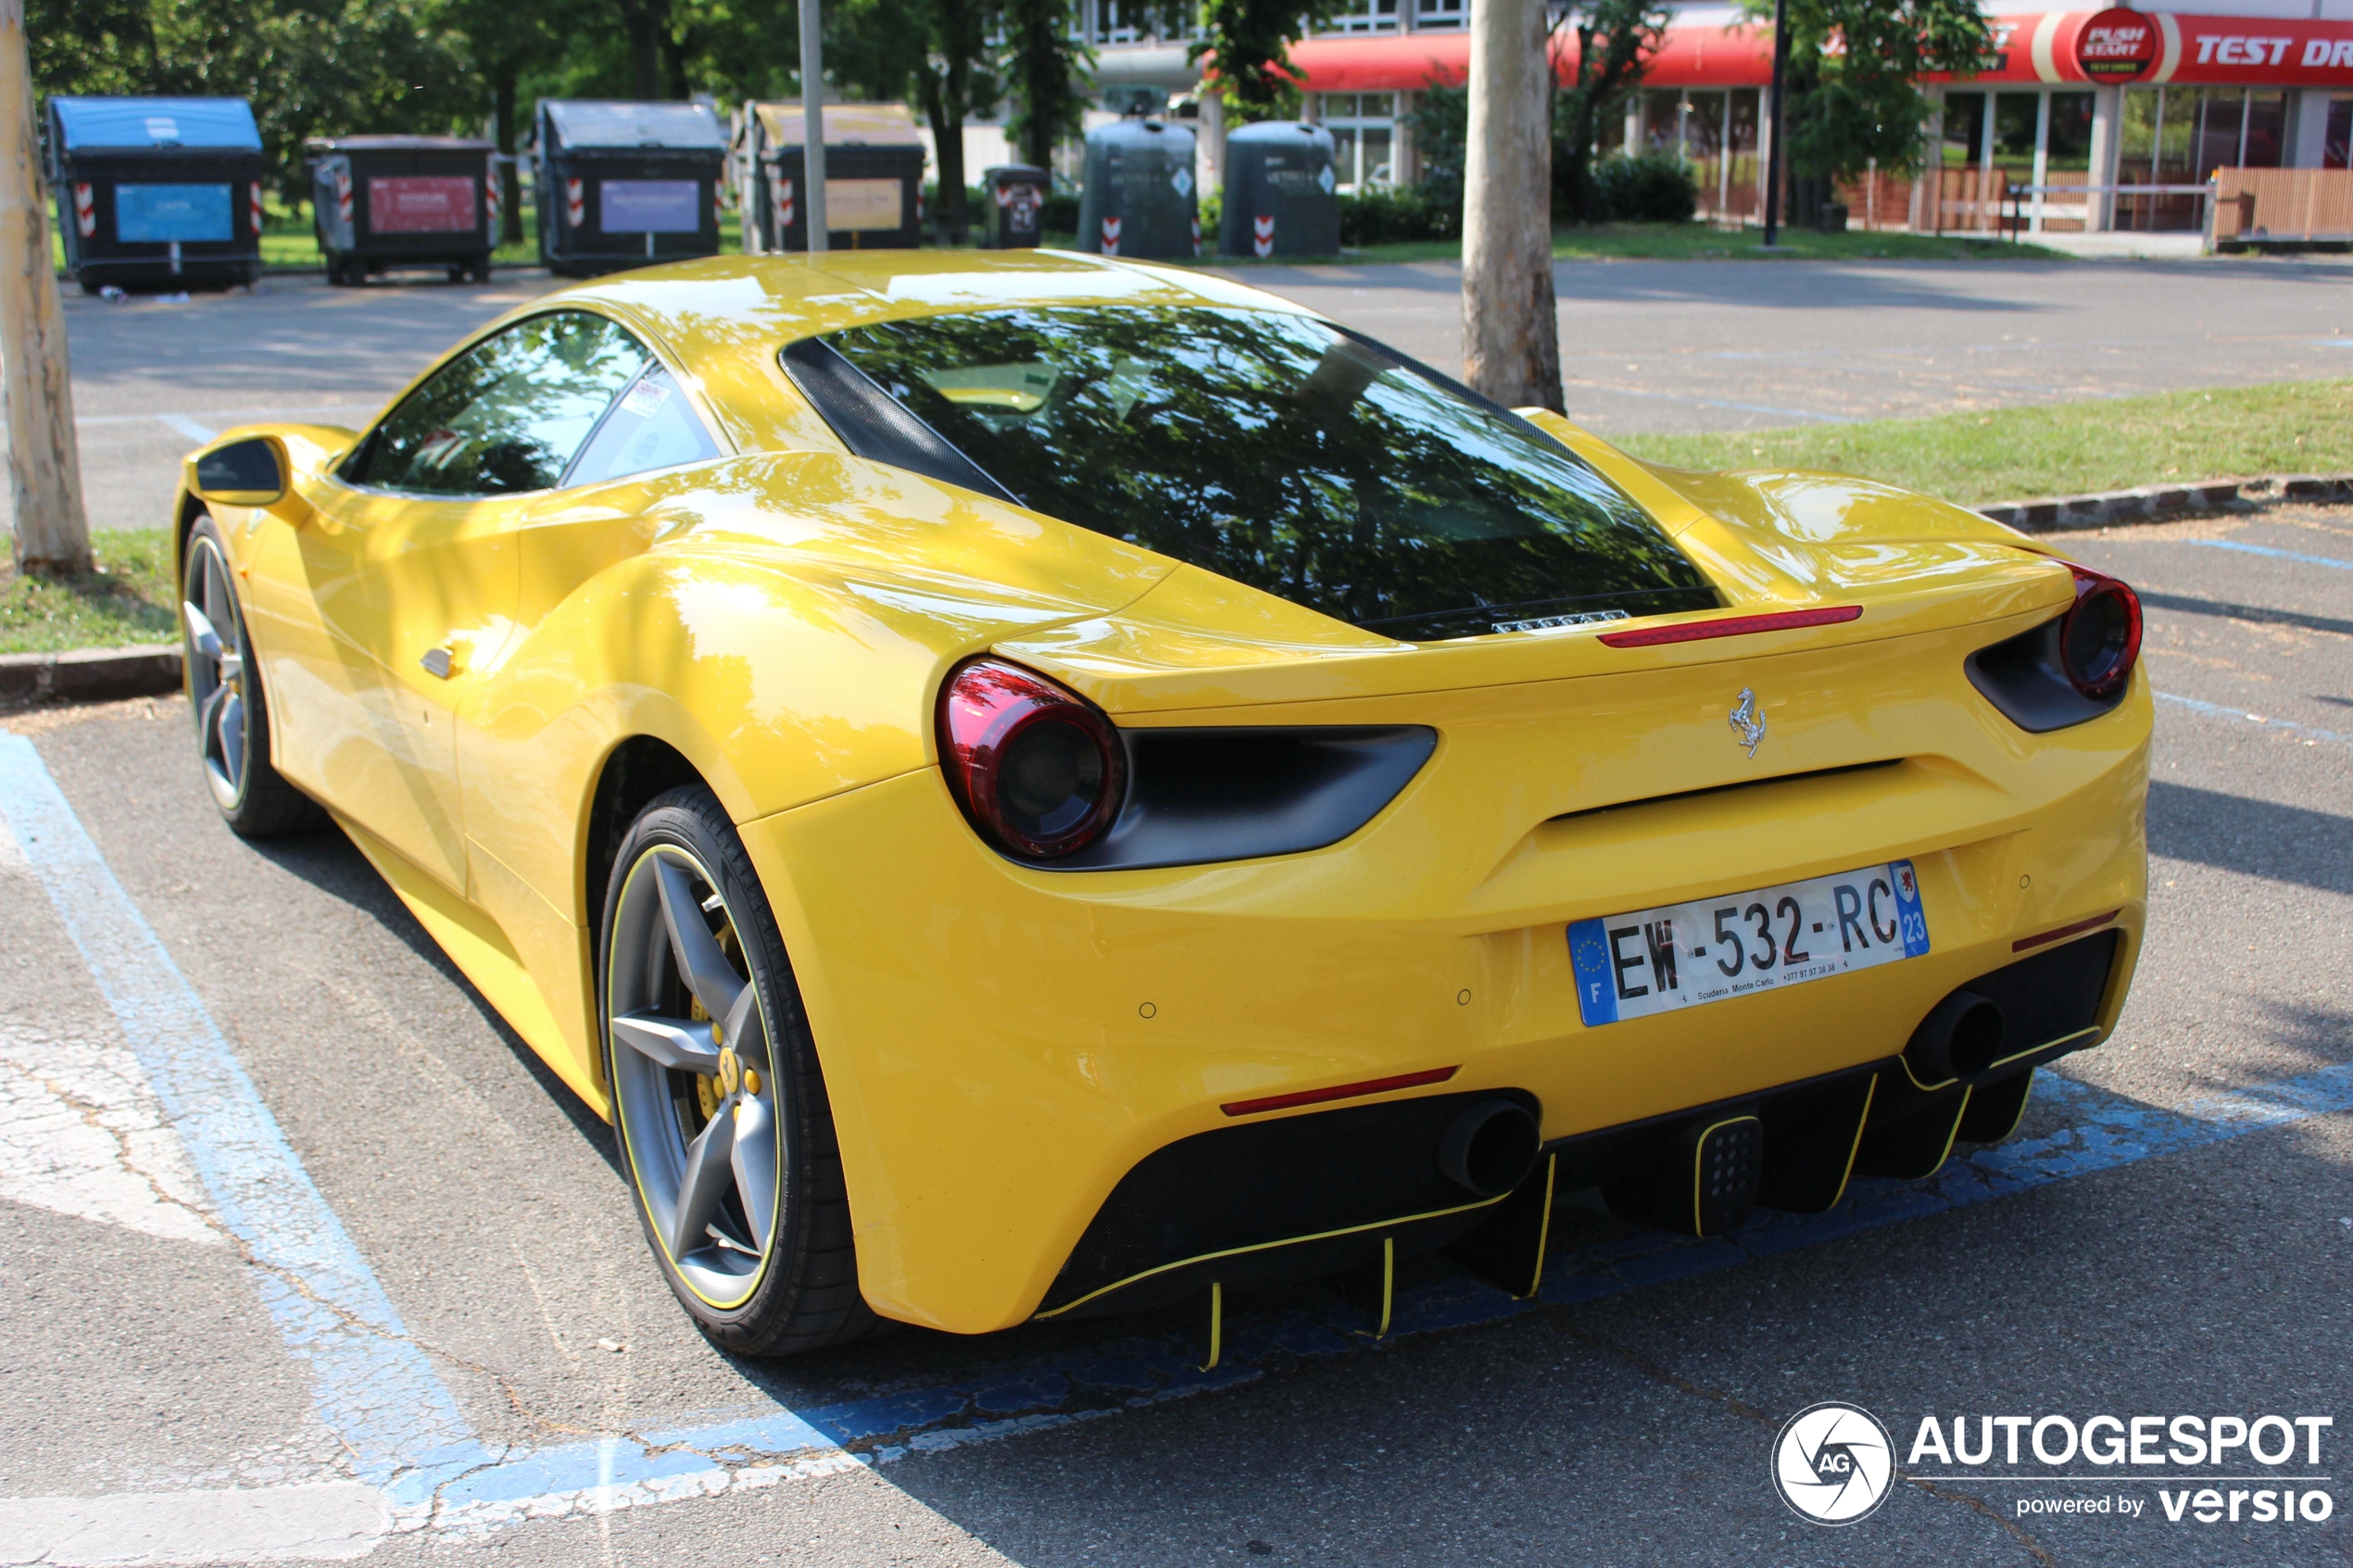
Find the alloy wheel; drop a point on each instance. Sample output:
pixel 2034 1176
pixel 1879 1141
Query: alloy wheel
pixel 212 645
pixel 695 1095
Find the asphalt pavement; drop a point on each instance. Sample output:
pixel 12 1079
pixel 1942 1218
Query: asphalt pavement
pixel 2172 1233
pixel 303 1255
pixel 1645 346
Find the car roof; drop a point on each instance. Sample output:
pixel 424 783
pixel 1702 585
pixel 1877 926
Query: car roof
pixel 724 318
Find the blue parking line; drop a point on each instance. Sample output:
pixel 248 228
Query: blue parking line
pixel 2103 1132
pixel 2267 550
pixel 376 1392
pixel 2216 710
pixel 379 1394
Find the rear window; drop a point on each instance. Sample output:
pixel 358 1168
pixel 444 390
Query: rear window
pixel 1270 448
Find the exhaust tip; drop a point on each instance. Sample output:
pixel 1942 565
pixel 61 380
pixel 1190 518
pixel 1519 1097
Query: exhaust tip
pixel 1961 1039
pixel 1489 1147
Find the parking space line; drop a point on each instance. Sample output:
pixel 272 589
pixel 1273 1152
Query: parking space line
pixel 2103 1132
pixel 185 426
pixel 375 1390
pixel 2216 710
pixel 2267 550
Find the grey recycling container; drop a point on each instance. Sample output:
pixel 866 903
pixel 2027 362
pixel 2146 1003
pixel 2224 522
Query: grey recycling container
pixel 1281 192
pixel 874 177
pixel 1140 199
pixel 626 184
pixel 1016 197
pixel 157 193
pixel 381 202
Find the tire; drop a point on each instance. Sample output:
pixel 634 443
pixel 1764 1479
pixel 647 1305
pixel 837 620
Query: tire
pixel 226 699
pixel 683 1099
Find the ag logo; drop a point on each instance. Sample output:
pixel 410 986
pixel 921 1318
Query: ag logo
pixel 1833 1463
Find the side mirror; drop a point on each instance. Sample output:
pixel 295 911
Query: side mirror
pixel 252 472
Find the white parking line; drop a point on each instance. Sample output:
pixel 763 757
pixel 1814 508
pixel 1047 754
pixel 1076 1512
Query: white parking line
pixel 185 426
pixel 333 1521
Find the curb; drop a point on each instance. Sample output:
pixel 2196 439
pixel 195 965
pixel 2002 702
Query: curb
pixel 89 674
pixel 2163 503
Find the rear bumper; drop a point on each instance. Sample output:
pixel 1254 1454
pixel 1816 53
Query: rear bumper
pixel 1002 1046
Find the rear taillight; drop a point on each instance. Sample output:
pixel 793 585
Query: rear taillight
pixel 1039 771
pixel 2099 639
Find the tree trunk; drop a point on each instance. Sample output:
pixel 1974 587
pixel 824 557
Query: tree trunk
pixel 502 97
pixel 943 106
pixel 1511 343
pixel 51 531
pixel 641 22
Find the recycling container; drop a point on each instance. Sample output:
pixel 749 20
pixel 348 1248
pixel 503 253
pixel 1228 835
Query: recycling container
pixel 157 193
pixel 1140 199
pixel 626 184
pixel 1281 192
pixel 383 202
pixel 874 177
pixel 1016 215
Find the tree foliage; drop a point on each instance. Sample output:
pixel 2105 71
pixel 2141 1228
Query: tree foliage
pixel 1853 77
pixel 1043 66
pixel 1614 40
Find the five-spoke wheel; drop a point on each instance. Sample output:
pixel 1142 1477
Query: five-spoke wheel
pixel 225 696
pixel 716 1090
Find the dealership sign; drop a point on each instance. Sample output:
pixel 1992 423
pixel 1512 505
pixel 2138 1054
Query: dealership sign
pixel 2117 46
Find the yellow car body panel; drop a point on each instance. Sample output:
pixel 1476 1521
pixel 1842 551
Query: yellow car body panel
pixel 1002 1042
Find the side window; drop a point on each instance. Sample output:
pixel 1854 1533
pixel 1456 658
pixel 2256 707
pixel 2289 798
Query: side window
pixel 652 427
pixel 507 415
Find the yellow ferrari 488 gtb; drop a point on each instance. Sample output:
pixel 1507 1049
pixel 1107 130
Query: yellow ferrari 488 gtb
pixel 1035 784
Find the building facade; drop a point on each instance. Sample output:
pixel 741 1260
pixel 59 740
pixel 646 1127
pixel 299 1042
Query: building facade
pixel 2079 106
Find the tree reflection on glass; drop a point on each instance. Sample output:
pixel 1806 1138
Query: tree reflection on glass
pixel 1278 452
pixel 505 415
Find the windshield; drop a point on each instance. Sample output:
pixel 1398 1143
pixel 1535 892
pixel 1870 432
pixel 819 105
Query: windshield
pixel 1270 448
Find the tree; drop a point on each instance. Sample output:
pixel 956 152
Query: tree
pixel 935 52
pixel 1854 82
pixel 1615 40
pixel 1043 62
pixel 503 38
pixel 1248 43
pixel 50 531
pixel 1511 336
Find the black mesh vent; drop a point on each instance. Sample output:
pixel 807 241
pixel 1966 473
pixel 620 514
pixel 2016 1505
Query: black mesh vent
pixel 2051 995
pixel 1269 1181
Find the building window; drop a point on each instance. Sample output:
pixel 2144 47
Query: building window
pixel 2336 148
pixel 1364 16
pixel 1363 128
pixel 2180 135
pixel 1440 16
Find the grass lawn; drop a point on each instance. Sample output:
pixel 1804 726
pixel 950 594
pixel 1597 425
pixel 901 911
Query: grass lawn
pixel 1686 241
pixel 2056 449
pixel 130 600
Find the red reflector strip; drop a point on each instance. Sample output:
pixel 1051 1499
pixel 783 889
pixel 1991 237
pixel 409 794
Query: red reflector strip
pixel 2064 932
pixel 1731 626
pixel 1340 1091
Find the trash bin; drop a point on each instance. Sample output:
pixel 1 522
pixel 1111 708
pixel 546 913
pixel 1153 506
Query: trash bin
pixel 1016 215
pixel 1280 190
pixel 381 202
pixel 626 184
pixel 874 177
pixel 1140 199
pixel 157 193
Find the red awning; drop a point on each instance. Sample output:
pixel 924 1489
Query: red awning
pixel 2230 51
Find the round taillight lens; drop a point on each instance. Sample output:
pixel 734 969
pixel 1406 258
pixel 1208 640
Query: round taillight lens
pixel 1039 771
pixel 2100 637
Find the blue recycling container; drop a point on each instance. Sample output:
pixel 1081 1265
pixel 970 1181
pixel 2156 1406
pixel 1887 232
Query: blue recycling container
pixel 157 193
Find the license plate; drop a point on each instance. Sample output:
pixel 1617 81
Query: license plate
pixel 1711 949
